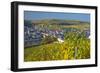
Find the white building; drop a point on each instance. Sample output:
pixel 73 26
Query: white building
pixel 60 40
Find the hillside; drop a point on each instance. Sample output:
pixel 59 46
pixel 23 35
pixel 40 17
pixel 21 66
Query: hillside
pixel 55 39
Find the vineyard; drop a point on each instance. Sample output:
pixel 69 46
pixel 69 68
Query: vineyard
pixel 75 46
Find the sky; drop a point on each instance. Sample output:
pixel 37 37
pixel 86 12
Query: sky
pixel 34 15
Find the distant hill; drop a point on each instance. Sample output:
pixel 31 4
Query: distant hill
pixel 57 24
pixel 58 21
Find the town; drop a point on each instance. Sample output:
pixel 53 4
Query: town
pixel 33 34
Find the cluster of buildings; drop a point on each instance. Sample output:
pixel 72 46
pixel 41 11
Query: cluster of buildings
pixel 34 36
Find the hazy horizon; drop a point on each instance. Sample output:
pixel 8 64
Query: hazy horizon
pixel 35 15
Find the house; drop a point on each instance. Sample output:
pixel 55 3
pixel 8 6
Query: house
pixel 87 33
pixel 45 34
pixel 89 37
pixel 60 40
